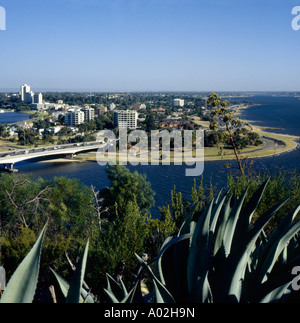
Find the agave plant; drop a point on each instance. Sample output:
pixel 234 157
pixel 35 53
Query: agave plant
pixel 22 285
pixel 223 257
pixel 74 292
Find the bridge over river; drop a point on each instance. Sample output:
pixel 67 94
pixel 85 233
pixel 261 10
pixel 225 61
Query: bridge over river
pixel 9 158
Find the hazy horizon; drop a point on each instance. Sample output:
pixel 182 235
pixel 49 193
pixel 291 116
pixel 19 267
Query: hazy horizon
pixel 86 91
pixel 150 46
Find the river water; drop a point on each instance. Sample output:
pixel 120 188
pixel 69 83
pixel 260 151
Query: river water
pixel 273 111
pixel 12 117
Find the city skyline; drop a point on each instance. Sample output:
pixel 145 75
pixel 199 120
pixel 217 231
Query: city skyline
pixel 150 45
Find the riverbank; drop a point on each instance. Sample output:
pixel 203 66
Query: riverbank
pixel 283 143
pixel 273 144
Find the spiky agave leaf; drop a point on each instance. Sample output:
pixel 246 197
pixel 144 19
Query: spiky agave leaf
pixel 230 227
pixel 199 259
pixel 185 227
pixel 159 269
pixel 64 286
pixel 174 254
pixel 223 254
pixel 111 296
pixel 239 257
pixel 276 244
pixel 276 294
pixel 161 292
pixel 247 213
pixel 22 285
pixel 139 293
pixel 118 290
pixel 221 225
pixel 74 291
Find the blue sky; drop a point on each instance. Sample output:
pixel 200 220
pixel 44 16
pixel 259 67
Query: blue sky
pixel 150 45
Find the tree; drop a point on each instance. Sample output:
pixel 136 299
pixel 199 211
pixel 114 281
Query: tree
pixel 150 122
pixel 197 195
pixel 27 136
pixel 25 206
pixel 61 119
pixel 177 207
pixel 228 118
pixel 213 138
pixel 48 137
pixel 4 132
pixel 119 240
pixel 159 230
pixel 133 229
pixel 125 186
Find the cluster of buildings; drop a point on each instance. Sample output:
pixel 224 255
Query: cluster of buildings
pixel 29 97
pixel 122 119
pixel 36 100
pixel 75 115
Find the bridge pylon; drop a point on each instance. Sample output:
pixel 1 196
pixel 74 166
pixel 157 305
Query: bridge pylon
pixel 8 168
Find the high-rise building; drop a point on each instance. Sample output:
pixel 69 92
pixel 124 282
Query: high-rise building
pixel 29 97
pixel 89 114
pixel 24 89
pixel 125 119
pixel 178 103
pixel 74 117
pixel 38 98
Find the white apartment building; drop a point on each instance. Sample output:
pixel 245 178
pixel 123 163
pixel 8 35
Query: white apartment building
pixel 24 89
pixel 38 98
pixel 125 119
pixel 29 97
pixel 74 117
pixel 89 114
pixel 178 103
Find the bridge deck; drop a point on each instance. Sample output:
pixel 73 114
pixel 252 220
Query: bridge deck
pixel 12 157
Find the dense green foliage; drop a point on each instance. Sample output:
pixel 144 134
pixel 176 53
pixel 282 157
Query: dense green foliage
pixel 125 186
pixel 72 213
pixel 116 221
pixel 241 136
pixel 222 257
pixel 25 206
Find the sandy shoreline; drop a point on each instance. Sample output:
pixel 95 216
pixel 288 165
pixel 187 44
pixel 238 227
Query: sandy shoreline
pixel 282 143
